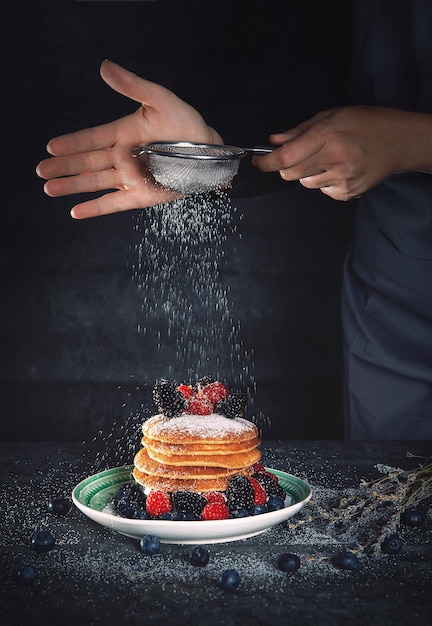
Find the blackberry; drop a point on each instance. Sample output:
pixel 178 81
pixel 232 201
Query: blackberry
pixel 188 501
pixel 271 486
pixel 205 380
pixel 233 405
pixel 169 400
pixel 240 493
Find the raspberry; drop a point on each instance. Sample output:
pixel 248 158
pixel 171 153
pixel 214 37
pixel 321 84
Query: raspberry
pixel 214 511
pixel 259 467
pixel 199 406
pixel 215 497
pixel 186 390
pixel 215 391
pixel 260 496
pixel 157 503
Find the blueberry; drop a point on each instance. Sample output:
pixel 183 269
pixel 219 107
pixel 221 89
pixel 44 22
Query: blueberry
pixel 150 544
pixel 392 545
pixel 140 513
pixel 27 575
pixel 413 516
pixel 346 560
pixel 288 563
pixel 275 503
pixel 42 541
pixel 229 580
pixel 241 512
pixel 199 556
pixel 59 506
pixel 258 509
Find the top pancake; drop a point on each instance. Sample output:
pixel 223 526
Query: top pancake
pixel 186 429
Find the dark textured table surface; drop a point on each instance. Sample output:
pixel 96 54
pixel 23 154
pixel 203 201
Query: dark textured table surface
pixel 97 576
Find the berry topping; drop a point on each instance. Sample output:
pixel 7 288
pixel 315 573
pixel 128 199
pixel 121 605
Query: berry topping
pixel 240 493
pixel 205 380
pixel 198 405
pixel 346 560
pixel 270 483
pixel 260 496
pixel 157 503
pixel 259 467
pixel 233 405
pixel 215 496
pixel 288 563
pixel 392 545
pixel 199 556
pixel 27 575
pixel 150 544
pixel 214 511
pixel 240 512
pixel 275 503
pixel 59 506
pixel 215 392
pixel 169 400
pixel 186 390
pixel 188 501
pixel 258 509
pixel 229 580
pixel 42 541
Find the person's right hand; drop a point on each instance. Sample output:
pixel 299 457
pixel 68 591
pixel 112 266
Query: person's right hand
pixel 99 159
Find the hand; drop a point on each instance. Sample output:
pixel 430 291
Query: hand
pixel 346 151
pixel 99 158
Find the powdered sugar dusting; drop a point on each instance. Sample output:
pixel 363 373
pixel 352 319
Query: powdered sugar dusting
pixel 214 426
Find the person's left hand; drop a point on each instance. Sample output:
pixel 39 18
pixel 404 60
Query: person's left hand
pixel 99 159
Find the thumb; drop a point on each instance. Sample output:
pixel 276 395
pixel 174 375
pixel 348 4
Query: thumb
pixel 130 85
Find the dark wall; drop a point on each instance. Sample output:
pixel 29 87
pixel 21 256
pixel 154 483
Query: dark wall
pixel 73 362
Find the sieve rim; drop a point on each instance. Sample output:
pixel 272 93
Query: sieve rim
pixel 153 149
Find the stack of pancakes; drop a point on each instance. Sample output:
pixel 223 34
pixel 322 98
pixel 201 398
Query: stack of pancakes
pixel 195 452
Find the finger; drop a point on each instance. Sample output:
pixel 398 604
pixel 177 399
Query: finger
pixel 293 133
pixel 132 86
pixel 86 140
pixel 291 154
pixel 83 183
pixel 316 181
pixel 75 164
pixel 124 200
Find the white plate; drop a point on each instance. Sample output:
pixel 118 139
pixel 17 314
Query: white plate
pixel 95 493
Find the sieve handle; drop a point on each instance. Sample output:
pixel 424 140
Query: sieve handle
pixel 259 149
pixel 139 151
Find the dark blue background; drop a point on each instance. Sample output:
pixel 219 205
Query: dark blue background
pixel 73 363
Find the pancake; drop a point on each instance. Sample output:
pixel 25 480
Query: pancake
pixel 230 461
pixel 200 448
pixel 177 484
pixel 189 429
pixel 148 465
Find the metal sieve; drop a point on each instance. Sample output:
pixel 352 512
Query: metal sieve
pixel 189 168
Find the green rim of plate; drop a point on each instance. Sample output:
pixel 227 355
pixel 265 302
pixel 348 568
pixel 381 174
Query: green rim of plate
pixel 98 490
